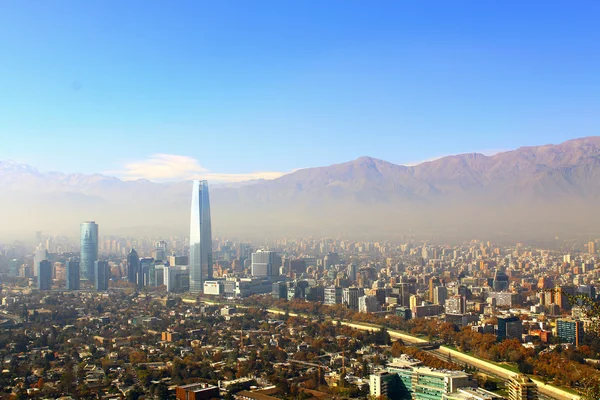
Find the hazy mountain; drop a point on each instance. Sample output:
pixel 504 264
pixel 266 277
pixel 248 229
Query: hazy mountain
pixel 544 190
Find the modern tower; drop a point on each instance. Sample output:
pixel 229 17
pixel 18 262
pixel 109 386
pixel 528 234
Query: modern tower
pixel 200 238
pixel 72 275
pixel 133 266
pixel 44 275
pixel 89 249
pixel 102 274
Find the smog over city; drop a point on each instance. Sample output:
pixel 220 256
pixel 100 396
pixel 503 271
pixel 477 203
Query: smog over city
pixel 293 200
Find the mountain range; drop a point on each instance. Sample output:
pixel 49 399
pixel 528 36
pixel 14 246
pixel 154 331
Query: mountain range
pixel 550 190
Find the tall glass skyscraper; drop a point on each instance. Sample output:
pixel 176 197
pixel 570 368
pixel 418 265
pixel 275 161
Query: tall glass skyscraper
pixel 200 238
pixel 89 249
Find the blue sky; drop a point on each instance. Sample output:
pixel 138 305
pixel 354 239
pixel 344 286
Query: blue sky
pixel 167 90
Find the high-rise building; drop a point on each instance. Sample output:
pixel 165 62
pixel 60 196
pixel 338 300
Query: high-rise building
pixel 160 251
pixel 13 267
pixel 44 275
pixel 440 294
pixel 89 249
pixel 520 387
pixel 265 263
pixel 133 266
pixel 72 275
pixel 433 282
pixel 101 274
pixel 144 271
pixel 592 247
pixel 456 305
pixel 569 330
pixel 501 282
pixel 40 255
pixel 200 237
pixel 333 295
pixel 177 279
pixel 509 327
pixel 350 297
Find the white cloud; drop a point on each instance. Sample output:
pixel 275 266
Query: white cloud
pixel 172 167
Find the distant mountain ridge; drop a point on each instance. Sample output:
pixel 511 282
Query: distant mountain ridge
pixel 549 188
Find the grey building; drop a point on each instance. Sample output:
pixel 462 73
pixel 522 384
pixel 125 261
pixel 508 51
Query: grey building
pixel 44 275
pixel 72 275
pixel 265 263
pixel 133 266
pixel 102 275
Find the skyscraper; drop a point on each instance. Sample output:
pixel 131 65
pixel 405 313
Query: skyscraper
pixel 133 266
pixel 72 275
pixel 200 237
pixel 40 255
pixel 89 249
pixel 102 274
pixel 44 275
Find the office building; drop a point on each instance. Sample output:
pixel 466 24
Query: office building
pixel 89 249
pixel 13 267
pixel 591 247
pixel 101 274
pixel 177 279
pixel 350 297
pixel 520 387
pixel 509 327
pixel 333 295
pixel 440 294
pixel 200 237
pixel 500 283
pixel 383 384
pixel 456 305
pixel 265 263
pixel 133 266
pixel 160 251
pixel 72 275
pixel 279 290
pixel 569 331
pixel 40 255
pixel 368 304
pixel 44 275
pixel 145 270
